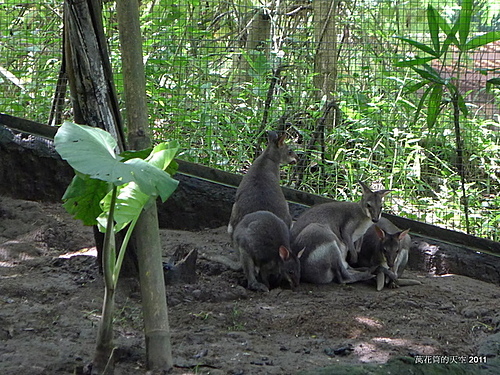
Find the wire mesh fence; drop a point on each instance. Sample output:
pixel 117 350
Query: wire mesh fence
pixel 333 74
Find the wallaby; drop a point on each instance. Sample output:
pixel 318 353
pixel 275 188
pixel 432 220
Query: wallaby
pixel 260 187
pixel 323 258
pixel 387 246
pixel 263 240
pixel 347 220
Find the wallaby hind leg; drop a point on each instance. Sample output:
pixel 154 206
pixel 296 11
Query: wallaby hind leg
pixel 354 276
pixel 348 275
pixel 249 269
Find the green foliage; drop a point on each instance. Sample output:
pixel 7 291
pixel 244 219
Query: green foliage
pixel 91 152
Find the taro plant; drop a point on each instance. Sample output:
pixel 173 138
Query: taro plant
pixel 441 90
pixel 110 191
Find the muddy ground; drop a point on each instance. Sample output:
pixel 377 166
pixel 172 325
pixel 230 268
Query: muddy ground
pixel 50 305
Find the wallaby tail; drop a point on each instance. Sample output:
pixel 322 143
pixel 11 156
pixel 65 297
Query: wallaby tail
pixel 408 282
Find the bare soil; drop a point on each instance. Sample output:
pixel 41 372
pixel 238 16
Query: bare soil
pixel 50 305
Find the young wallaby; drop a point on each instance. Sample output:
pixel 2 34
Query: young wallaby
pixel 347 220
pixel 263 240
pixel 323 260
pixel 260 187
pixel 387 246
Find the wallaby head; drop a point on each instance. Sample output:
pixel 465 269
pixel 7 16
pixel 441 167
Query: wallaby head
pixel 278 150
pixel 371 202
pixel 390 244
pixel 290 268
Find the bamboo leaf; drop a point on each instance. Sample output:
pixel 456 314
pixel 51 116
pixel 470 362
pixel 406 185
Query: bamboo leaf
pixel 419 45
pixel 481 40
pixel 422 102
pixel 449 31
pixel 464 19
pixel 494 81
pixel 433 23
pixel 434 104
pixel 462 105
pixel 451 38
pixel 416 86
pixel 418 61
pixel 429 74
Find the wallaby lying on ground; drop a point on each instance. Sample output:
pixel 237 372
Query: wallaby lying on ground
pixel 347 220
pixel 263 240
pixel 387 246
pixel 260 187
pixel 323 260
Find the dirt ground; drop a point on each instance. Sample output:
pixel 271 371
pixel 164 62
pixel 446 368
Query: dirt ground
pixel 50 305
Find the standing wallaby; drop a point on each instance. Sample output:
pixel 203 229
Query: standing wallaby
pixel 263 240
pixel 323 260
pixel 387 246
pixel 347 220
pixel 260 187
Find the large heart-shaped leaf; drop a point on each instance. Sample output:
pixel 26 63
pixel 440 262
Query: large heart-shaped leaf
pixel 91 151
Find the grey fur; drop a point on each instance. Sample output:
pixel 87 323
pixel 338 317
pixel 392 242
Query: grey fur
pixel 260 187
pixel 263 240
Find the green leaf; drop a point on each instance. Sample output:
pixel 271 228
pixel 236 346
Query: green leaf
pixel 430 74
pixel 163 155
pixel 418 61
pixel 82 197
pixel 91 151
pixel 450 38
pixel 128 206
pixel 420 46
pixel 140 154
pixel 463 20
pixel 432 20
pixel 462 105
pixel 494 81
pixel 422 102
pixel 416 86
pixel 481 40
pixel 434 104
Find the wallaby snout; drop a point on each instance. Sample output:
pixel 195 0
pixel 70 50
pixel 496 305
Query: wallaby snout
pixel 372 202
pixel 291 267
pixel 292 157
pixel 286 154
pixel 385 248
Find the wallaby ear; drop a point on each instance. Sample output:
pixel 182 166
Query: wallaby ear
pixel 301 252
pixel 272 137
pixel 380 232
pixel 403 234
pixel 284 253
pixel 383 193
pixel 365 187
pixel 281 140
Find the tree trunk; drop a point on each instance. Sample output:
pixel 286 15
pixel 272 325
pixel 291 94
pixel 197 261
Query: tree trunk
pixel 89 70
pixel 325 59
pixel 259 31
pixel 146 234
pixel 94 104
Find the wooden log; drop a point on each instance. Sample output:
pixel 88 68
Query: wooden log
pixel 31 169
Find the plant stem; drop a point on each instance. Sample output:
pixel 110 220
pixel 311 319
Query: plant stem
pixel 460 157
pixel 104 348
